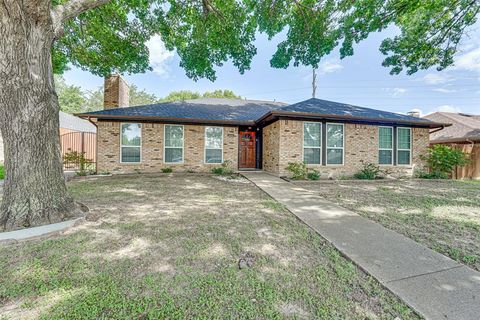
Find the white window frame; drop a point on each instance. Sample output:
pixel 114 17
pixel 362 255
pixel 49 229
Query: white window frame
pixel 411 147
pixel 385 149
pixel 205 146
pixel 336 148
pixel 321 144
pixel 122 146
pixel 165 143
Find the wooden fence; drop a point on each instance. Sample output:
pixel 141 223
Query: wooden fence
pixel 80 142
pixel 472 170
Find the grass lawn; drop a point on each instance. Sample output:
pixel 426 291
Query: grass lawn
pixel 167 246
pixel 443 215
pixel 2 172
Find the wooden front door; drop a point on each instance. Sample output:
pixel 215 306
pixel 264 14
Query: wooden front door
pixel 247 150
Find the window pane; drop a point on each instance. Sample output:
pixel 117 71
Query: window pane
pixel 311 134
pixel 173 136
pixel 173 155
pixel 385 156
pixel 130 154
pixel 335 135
pixel 385 138
pixel 131 134
pixel 403 157
pixel 213 156
pixel 403 138
pixel 311 155
pixel 334 156
pixel 213 137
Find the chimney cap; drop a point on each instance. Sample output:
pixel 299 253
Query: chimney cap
pixel 415 113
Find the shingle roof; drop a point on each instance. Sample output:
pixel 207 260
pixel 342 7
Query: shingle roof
pixel 464 126
pixel 209 109
pixel 237 111
pixel 68 121
pixel 330 108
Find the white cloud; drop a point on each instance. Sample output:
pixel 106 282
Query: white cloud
pixel 444 90
pixel 159 55
pixel 395 91
pixel 448 108
pixel 436 78
pixel 469 61
pixel 398 91
pixel 329 66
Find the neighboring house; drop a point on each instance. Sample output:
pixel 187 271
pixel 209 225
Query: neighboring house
pixel 464 134
pixel 68 124
pixel 334 138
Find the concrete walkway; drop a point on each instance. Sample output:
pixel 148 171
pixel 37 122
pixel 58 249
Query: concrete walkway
pixel 37 231
pixel 434 285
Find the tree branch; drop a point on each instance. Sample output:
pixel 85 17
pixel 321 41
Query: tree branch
pixel 71 9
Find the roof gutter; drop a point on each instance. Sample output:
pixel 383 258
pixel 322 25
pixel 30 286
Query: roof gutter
pixel 276 113
pixel 166 120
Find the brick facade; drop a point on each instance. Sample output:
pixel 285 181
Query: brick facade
pixel 283 143
pixel 108 141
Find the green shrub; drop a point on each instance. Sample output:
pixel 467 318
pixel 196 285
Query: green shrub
pixel 2 172
pixel 75 157
pixel 313 175
pixel 81 173
pixel 167 170
pixel 431 175
pixel 441 161
pixel 225 170
pixel 370 171
pixel 298 169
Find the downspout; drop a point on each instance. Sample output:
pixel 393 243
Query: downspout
pixel 438 129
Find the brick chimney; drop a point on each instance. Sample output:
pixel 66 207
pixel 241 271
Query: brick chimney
pixel 116 92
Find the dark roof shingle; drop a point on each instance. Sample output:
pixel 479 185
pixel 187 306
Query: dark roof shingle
pixel 324 107
pixel 237 111
pixel 210 109
pixel 464 127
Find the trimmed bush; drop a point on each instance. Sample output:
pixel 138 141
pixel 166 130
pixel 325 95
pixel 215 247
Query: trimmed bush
pixel 370 171
pixel 313 175
pixel 298 169
pixel 225 170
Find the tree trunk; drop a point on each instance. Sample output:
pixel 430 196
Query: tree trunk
pixel 34 190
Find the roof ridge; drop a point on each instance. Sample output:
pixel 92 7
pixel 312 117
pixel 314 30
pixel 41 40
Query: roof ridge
pixel 448 115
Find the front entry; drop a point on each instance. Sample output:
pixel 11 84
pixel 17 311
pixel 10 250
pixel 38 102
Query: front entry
pixel 247 150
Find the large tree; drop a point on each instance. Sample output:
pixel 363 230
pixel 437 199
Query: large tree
pixel 40 37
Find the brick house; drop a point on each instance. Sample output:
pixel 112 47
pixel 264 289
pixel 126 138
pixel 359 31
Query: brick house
pixel 200 134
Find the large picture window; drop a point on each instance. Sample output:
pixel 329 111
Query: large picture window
pixel 173 150
pixel 404 146
pixel 130 144
pixel 213 145
pixel 334 143
pixel 385 145
pixel 312 142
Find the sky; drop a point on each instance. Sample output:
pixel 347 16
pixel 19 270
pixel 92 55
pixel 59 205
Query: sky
pixel 359 80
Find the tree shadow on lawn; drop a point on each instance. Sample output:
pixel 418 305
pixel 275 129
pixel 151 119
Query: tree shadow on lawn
pixel 153 254
pixel 443 215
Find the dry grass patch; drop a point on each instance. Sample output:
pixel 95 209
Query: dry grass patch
pixel 443 215
pixel 168 247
